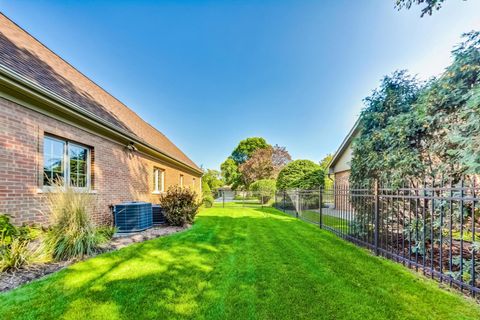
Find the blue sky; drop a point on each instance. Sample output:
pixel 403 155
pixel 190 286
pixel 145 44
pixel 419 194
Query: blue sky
pixel 210 73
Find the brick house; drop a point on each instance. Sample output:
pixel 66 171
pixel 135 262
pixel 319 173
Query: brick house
pixel 339 167
pixel 57 123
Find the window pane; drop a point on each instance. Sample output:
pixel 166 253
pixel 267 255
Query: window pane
pixel 162 180
pixel 156 174
pixel 53 167
pixel 78 165
pixel 158 179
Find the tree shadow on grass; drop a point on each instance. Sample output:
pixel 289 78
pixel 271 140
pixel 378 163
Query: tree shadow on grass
pixel 158 278
pixel 259 265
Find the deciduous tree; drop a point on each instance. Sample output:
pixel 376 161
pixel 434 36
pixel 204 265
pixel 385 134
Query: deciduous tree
pixel 324 163
pixel 230 173
pixel 280 158
pixel 264 163
pixel 213 178
pixel 258 166
pixel 246 148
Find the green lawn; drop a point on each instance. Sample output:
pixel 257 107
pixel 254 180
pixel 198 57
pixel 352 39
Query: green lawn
pixel 330 221
pixel 237 263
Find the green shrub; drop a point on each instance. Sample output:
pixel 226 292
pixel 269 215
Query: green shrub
pixel 107 231
pixel 14 245
pixel 264 189
pixel 303 174
pixel 7 230
pixel 207 195
pixel 72 233
pixel 312 180
pixel 180 205
pixel 208 201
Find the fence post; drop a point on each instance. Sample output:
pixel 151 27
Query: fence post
pixel 223 198
pixel 320 207
pixel 297 196
pixel 284 197
pixel 377 215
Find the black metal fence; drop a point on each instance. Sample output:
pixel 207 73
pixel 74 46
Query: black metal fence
pixel 428 227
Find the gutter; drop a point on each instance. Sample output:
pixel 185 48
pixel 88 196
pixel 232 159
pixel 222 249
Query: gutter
pixel 25 86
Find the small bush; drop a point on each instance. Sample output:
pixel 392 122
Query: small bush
pixel 14 245
pixel 208 201
pixel 73 234
pixel 180 205
pixel 264 189
pixel 207 196
pixel 6 228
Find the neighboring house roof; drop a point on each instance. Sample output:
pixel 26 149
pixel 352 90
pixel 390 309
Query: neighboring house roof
pixel 27 57
pixel 345 144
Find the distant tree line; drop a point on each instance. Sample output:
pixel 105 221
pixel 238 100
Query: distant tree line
pixel 256 165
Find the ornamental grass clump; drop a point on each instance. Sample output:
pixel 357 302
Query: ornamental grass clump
pixel 16 248
pixel 14 255
pixel 72 233
pixel 180 205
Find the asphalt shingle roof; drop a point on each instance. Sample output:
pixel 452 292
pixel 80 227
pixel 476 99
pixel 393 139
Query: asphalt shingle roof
pixel 23 54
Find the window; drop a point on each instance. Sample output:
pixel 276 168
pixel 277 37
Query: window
pixel 158 180
pixel 65 161
pixel 53 161
pixel 181 180
pixel 193 183
pixel 78 157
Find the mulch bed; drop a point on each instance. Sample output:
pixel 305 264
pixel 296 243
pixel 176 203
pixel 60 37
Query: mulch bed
pixel 11 280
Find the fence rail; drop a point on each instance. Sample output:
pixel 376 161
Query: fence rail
pixel 430 228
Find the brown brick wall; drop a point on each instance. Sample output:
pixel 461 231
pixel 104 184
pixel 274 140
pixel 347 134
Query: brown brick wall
pixel 341 193
pixel 118 175
pixel 341 178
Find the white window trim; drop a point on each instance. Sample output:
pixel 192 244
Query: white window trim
pixel 66 162
pixel 158 177
pixel 50 189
